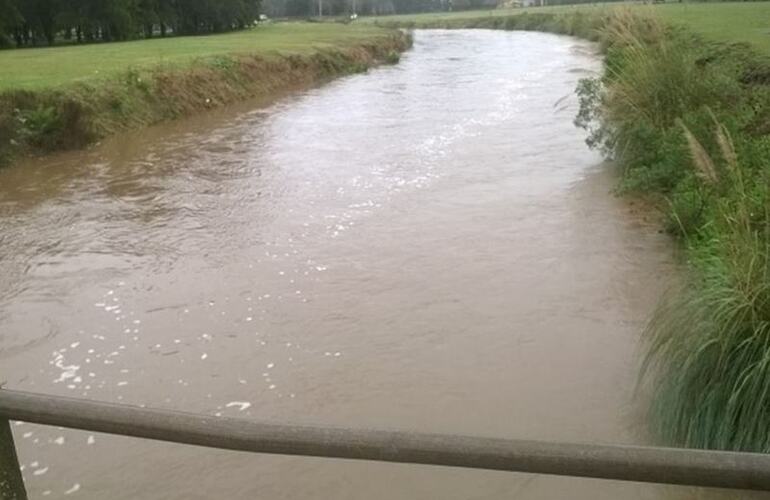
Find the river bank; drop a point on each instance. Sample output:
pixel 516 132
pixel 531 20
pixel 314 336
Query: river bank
pixel 687 119
pixel 69 97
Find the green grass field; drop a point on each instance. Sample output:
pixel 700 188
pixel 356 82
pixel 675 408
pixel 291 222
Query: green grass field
pixel 731 22
pixel 51 67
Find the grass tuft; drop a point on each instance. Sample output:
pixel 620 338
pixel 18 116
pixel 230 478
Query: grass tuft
pixel 710 342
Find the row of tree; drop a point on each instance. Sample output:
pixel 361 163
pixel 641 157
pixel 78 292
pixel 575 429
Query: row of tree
pixel 35 22
pixel 306 8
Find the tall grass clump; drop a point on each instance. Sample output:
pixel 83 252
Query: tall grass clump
pixel 710 341
pixel 684 122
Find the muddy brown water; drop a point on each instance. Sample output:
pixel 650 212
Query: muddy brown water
pixel 429 246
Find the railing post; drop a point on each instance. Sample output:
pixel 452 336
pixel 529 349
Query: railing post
pixel 11 482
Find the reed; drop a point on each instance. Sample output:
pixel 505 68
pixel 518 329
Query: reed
pixel 710 341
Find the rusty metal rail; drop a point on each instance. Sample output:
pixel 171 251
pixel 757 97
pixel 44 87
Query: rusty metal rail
pixel 750 471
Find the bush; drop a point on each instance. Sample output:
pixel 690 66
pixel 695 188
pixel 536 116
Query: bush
pixel 392 57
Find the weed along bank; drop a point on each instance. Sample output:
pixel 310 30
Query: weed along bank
pixel 466 254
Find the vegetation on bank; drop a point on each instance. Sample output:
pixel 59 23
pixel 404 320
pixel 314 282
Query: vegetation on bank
pixel 721 21
pixel 687 118
pixel 67 97
pixel 56 67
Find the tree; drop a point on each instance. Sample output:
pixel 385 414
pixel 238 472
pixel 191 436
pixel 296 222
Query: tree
pixel 10 21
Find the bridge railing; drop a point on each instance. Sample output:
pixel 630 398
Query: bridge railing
pixel 720 469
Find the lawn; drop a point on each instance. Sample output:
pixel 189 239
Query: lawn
pixel 50 67
pixel 733 21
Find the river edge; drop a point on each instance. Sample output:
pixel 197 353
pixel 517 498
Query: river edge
pixel 686 120
pixel 36 123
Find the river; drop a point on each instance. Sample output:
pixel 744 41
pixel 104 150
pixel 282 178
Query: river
pixel 429 246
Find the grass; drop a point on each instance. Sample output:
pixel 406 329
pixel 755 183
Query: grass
pixel 728 22
pixel 710 342
pixel 68 97
pixel 46 68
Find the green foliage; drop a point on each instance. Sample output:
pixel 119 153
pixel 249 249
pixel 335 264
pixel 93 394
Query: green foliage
pixel 710 342
pixel 32 22
pixel 134 78
pixel 47 124
pixel 223 62
pixel 40 121
pixel 393 57
pixel 668 110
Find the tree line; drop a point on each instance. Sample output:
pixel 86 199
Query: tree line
pixel 38 22
pixel 26 23
pixel 307 8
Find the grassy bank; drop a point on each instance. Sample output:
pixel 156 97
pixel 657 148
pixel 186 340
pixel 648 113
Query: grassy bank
pixel 728 22
pixel 67 97
pixel 685 112
pixel 689 120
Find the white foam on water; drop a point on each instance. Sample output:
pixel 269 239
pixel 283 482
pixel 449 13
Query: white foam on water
pixel 241 405
pixel 75 488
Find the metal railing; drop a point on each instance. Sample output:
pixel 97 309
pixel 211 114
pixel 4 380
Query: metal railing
pixel 749 471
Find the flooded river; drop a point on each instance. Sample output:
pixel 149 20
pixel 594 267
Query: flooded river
pixel 429 246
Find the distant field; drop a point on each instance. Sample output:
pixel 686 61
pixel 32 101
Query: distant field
pixel 49 67
pixel 732 22
pixel 735 22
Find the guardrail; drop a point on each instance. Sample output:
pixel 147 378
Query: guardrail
pixel 720 469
